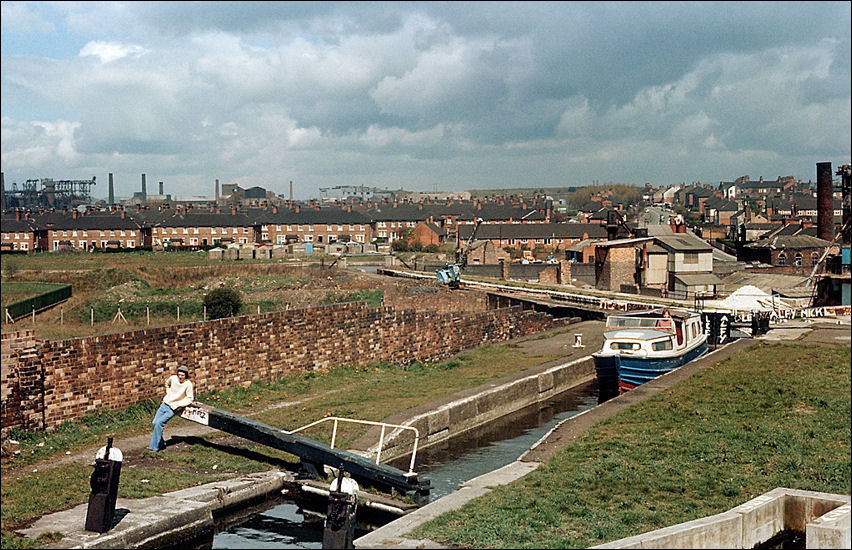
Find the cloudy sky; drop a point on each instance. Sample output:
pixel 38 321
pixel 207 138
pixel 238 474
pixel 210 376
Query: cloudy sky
pixel 421 96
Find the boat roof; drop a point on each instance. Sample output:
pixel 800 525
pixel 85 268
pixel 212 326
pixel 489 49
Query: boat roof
pixel 636 334
pixel 658 312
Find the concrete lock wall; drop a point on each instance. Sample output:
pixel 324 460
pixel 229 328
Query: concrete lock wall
pixel 823 517
pixel 47 382
pixel 474 408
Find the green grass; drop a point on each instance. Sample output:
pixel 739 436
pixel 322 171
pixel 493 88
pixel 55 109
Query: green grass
pixel 370 392
pixel 772 416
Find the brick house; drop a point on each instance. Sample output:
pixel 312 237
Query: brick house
pixel 75 230
pixel 18 233
pixel 428 233
pixel 557 236
pixel 796 251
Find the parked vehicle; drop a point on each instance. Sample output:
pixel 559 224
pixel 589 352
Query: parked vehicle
pixel 639 347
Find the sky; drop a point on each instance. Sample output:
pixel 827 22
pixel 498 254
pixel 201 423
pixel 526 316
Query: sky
pixel 421 96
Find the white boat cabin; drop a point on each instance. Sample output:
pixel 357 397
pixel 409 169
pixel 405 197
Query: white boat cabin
pixel 652 333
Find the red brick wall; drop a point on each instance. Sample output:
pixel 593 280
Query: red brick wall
pixel 21 384
pixel 113 371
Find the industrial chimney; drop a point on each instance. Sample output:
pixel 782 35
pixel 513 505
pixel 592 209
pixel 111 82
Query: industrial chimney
pixel 291 191
pixel 825 202
pixel 2 192
pixel 111 199
pixel 161 189
pixel 217 190
pixel 144 190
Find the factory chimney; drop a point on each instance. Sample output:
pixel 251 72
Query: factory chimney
pixel 291 191
pixel 161 189
pixel 2 192
pixel 217 190
pixel 111 198
pixel 144 190
pixel 825 202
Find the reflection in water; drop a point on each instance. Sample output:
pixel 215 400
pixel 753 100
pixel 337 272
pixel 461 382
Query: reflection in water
pixel 446 465
pixel 455 461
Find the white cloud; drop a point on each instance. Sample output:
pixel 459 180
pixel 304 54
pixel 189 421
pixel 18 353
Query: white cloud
pixel 111 51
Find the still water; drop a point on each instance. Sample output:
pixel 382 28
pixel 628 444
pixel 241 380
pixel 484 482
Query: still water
pixel 446 465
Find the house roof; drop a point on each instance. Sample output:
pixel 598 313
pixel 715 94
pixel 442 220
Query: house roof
pixel 790 241
pixel 683 242
pixel 693 279
pixel 533 230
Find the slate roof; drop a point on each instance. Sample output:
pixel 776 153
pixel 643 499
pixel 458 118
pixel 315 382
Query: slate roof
pixel 533 230
pixel 790 241
pixel 683 242
pixel 90 222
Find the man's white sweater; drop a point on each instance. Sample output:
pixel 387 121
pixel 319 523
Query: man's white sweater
pixel 178 394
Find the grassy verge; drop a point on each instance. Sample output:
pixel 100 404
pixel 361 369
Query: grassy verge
pixel 771 416
pixel 370 392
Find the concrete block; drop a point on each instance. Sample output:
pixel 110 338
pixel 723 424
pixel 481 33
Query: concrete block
pixel 717 531
pixel 831 530
pixel 545 382
pixel 439 421
pixel 763 517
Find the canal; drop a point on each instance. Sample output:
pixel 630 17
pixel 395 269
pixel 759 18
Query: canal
pixel 283 524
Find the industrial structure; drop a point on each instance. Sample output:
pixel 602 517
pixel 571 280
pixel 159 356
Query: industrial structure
pixel 47 193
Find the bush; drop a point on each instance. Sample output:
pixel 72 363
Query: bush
pixel 223 302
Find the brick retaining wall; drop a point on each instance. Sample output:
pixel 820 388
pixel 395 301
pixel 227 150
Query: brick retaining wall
pixel 47 382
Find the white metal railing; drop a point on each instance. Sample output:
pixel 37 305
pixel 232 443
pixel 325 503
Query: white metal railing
pixel 384 426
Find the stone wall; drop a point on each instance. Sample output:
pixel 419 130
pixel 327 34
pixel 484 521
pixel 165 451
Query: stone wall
pixel 47 382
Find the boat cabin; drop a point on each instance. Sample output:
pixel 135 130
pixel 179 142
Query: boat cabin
pixel 651 332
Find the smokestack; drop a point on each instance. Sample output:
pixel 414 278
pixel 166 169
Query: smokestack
pixel 2 191
pixel 144 190
pixel 111 199
pixel 291 191
pixel 161 189
pixel 217 190
pixel 825 202
pixel 845 173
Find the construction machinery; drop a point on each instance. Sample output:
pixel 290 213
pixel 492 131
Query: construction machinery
pixel 450 274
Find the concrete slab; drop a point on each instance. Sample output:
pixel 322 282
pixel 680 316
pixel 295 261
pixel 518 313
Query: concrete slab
pixel 159 520
pixel 781 334
pixel 831 530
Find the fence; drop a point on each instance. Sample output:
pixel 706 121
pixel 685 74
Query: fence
pixel 22 308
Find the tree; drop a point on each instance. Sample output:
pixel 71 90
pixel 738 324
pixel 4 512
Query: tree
pixel 222 302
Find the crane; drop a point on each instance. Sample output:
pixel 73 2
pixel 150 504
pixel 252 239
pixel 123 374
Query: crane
pixel 450 274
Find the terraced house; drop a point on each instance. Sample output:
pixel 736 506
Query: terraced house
pixel 71 230
pixel 190 227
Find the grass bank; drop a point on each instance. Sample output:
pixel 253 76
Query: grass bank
pixel 771 416
pixel 370 392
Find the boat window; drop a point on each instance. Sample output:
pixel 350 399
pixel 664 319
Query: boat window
pixel 679 332
pixel 634 322
pixel 623 345
pixel 662 346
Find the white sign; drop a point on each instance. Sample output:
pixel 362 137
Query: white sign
pixel 196 414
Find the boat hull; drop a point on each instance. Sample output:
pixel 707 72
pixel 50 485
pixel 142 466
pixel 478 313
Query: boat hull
pixel 635 371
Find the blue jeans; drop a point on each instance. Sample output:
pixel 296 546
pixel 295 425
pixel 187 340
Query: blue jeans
pixel 164 414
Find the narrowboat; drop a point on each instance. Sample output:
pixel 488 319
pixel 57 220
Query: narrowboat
pixel 641 346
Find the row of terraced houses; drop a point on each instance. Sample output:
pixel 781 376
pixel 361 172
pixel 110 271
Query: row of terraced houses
pixel 183 226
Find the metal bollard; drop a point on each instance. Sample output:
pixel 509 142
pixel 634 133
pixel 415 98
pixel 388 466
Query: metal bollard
pixel 339 531
pixel 104 483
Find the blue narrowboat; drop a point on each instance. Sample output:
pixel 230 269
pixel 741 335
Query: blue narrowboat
pixel 641 346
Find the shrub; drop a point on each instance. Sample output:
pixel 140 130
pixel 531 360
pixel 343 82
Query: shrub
pixel 222 302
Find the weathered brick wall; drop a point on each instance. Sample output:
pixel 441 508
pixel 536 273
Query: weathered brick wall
pixel 21 382
pixel 435 297
pixel 83 375
pixel 619 268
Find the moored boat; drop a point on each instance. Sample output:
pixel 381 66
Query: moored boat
pixel 641 346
